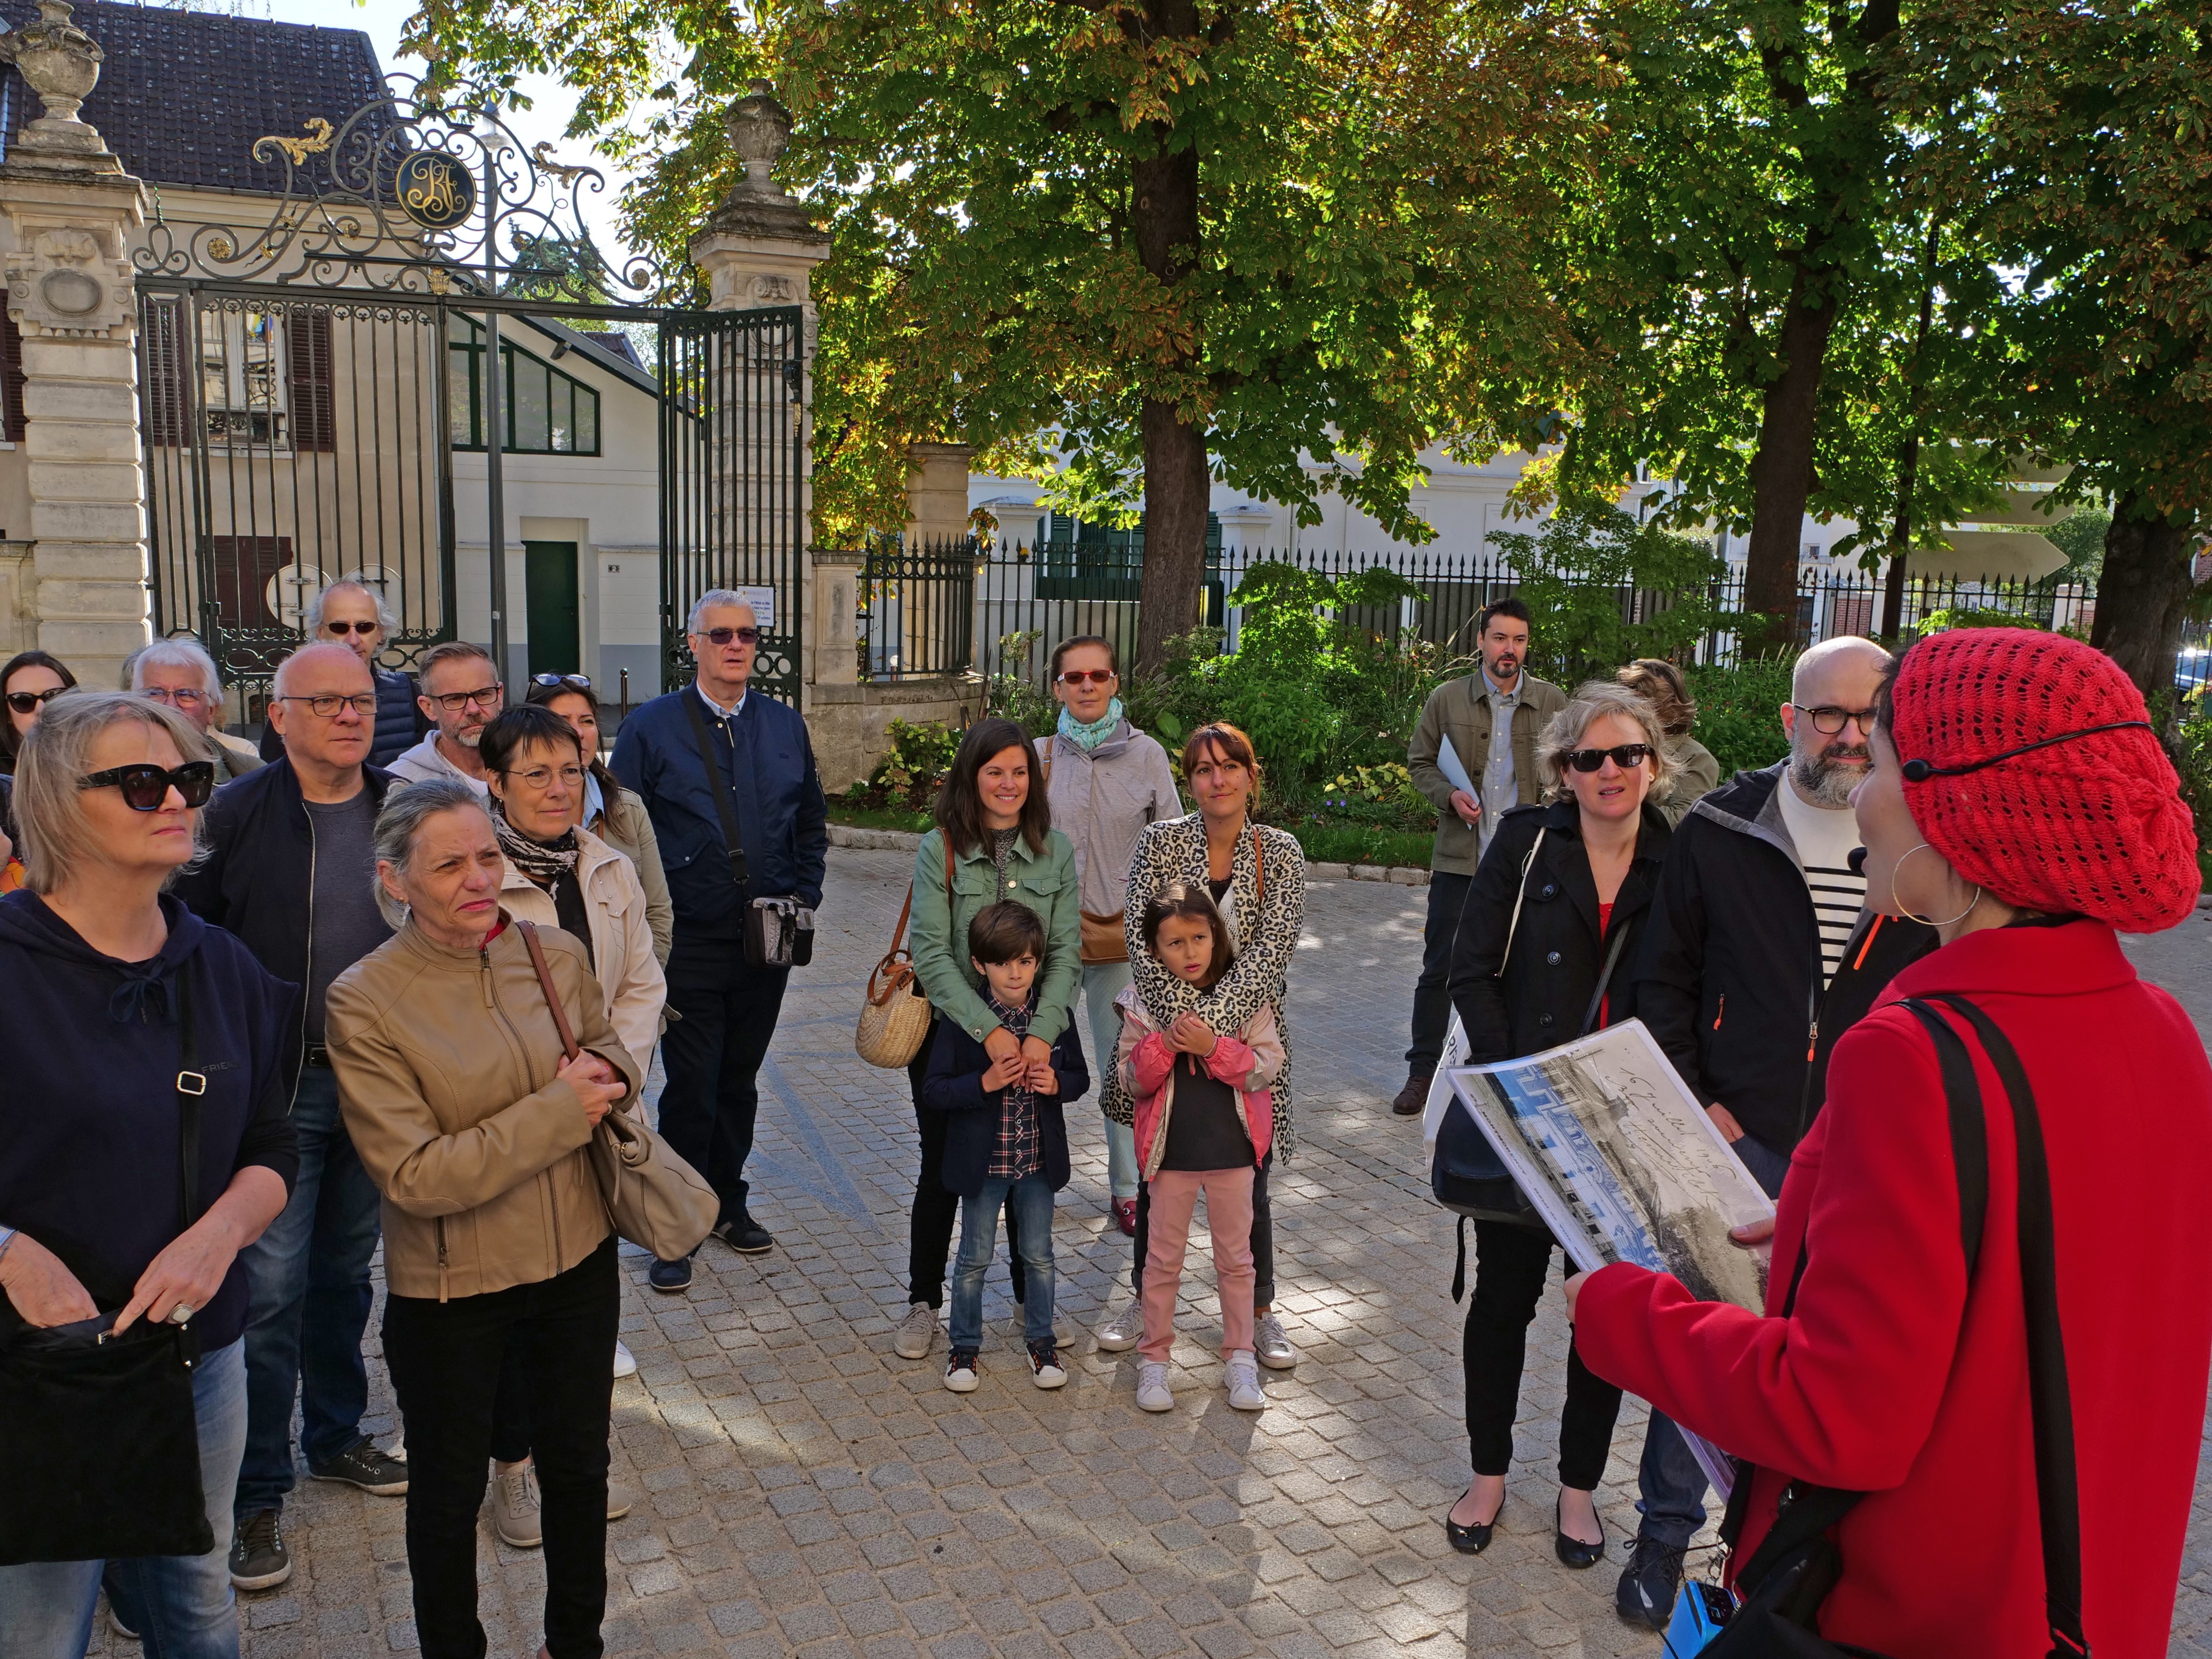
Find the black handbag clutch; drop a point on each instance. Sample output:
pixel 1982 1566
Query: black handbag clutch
pixel 100 1449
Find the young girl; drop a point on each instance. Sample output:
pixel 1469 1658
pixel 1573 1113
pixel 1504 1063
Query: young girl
pixel 1204 1120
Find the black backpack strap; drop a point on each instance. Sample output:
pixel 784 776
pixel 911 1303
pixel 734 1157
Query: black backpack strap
pixel 1970 1134
pixel 191 1085
pixel 731 842
pixel 2050 1399
pixel 1604 979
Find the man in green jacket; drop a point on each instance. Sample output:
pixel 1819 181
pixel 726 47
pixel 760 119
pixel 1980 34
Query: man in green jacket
pixel 1498 757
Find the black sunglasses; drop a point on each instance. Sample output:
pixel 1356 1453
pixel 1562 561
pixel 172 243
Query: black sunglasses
pixel 146 786
pixel 342 629
pixel 1626 755
pixel 724 635
pixel 573 681
pixel 27 702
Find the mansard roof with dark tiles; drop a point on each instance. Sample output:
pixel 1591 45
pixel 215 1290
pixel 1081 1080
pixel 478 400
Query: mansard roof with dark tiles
pixel 183 96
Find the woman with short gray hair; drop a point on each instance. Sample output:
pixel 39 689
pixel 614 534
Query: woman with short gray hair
pixel 475 1126
pixel 116 994
pixel 1545 952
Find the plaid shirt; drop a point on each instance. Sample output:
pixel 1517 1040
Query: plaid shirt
pixel 1015 1152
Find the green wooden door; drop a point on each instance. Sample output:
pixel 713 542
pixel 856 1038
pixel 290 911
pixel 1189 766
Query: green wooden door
pixel 554 615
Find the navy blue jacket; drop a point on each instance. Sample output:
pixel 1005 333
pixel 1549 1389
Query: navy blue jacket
pixel 400 722
pixel 764 760
pixel 954 1084
pixel 257 876
pixel 89 1116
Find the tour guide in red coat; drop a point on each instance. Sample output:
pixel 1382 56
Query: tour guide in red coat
pixel 1889 1377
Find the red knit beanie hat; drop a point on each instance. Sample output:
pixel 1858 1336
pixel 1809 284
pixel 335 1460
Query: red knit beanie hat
pixel 2094 826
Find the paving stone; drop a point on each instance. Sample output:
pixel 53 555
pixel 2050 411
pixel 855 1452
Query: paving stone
pixel 805 1491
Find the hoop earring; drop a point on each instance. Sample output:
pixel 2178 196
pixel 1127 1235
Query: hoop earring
pixel 1926 921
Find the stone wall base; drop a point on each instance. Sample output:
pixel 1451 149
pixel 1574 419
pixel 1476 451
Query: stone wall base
pixel 851 724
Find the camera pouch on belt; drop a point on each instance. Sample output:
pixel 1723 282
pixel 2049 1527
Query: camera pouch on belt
pixel 778 933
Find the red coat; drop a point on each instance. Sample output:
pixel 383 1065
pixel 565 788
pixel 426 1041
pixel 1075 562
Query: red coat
pixel 1872 1384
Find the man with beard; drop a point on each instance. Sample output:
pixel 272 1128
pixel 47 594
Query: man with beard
pixel 461 693
pixel 1492 720
pixel 1758 955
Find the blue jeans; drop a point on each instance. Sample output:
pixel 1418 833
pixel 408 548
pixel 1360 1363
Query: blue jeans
pixel 1101 983
pixel 180 1605
pixel 1672 1486
pixel 979 1242
pixel 308 1308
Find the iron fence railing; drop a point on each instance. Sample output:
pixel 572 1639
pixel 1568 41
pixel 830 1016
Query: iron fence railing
pixel 996 609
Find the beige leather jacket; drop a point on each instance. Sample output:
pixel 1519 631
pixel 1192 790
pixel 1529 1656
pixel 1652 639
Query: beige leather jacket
pixel 445 1061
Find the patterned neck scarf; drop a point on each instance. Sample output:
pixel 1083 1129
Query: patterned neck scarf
pixel 544 862
pixel 1089 737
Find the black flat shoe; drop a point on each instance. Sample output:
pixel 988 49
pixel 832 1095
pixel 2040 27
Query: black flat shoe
pixel 1471 1541
pixel 1572 1552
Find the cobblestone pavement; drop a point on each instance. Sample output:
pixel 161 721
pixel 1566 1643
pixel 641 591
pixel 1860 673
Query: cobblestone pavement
pixel 803 1490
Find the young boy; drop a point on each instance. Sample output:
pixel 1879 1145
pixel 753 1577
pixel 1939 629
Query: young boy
pixel 1006 1140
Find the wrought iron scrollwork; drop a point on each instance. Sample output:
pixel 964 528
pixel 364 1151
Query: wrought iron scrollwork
pixel 372 202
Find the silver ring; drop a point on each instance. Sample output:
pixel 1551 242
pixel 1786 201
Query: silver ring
pixel 182 1314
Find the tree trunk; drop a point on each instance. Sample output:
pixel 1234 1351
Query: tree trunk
pixel 2143 598
pixel 1164 225
pixel 1782 473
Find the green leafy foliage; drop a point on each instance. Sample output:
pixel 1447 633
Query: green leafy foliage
pixel 1011 697
pixel 1739 712
pixel 908 777
pixel 1967 615
pixel 1602 588
pixel 2192 758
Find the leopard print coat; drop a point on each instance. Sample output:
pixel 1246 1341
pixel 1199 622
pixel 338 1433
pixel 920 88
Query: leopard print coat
pixel 1267 925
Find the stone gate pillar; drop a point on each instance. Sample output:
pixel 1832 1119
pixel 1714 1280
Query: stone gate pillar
pixel 67 212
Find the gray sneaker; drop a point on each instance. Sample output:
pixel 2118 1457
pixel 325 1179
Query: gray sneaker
pixel 1270 1345
pixel 916 1334
pixel 1123 1330
pixel 258 1559
pixel 363 1466
pixel 514 1508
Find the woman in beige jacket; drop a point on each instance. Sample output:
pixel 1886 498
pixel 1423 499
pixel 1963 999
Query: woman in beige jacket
pixel 475 1127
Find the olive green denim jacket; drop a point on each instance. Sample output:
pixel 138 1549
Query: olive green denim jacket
pixel 1046 882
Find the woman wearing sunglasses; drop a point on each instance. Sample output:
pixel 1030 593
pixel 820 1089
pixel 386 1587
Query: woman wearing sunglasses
pixel 1581 872
pixel 31 680
pixel 116 993
pixel 615 815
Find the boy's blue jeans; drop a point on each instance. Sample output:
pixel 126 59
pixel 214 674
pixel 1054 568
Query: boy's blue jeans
pixel 1031 1198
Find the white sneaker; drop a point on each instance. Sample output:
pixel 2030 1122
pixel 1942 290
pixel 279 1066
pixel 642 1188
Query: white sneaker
pixel 1045 1369
pixel 515 1512
pixel 625 1361
pixel 1123 1330
pixel 1272 1348
pixel 1245 1384
pixel 914 1335
pixel 960 1375
pixel 1152 1395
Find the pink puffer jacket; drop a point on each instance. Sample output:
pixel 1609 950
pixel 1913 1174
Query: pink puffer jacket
pixel 1246 1062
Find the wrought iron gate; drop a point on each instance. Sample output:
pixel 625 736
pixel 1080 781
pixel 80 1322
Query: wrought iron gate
pixel 732 475
pixel 304 383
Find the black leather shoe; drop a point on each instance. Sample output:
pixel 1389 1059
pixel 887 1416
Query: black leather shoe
pixel 1471 1541
pixel 744 1235
pixel 1572 1552
pixel 1414 1097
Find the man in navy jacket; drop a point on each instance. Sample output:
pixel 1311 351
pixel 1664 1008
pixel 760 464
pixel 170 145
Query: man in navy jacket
pixel 723 1007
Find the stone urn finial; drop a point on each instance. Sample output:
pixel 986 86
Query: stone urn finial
pixel 760 132
pixel 60 63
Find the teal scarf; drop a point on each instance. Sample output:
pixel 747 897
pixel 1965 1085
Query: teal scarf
pixel 1087 738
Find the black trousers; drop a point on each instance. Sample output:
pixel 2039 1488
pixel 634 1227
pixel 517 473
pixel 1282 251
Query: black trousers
pixel 727 1012
pixel 1432 990
pixel 1263 1236
pixel 929 1229
pixel 446 1360
pixel 1510 1262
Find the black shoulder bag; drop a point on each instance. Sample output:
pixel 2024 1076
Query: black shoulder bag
pixel 1796 1564
pixel 779 932
pixel 100 1446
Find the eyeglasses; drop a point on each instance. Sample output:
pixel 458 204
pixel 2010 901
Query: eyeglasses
pixel 27 702
pixel 184 698
pixel 1626 755
pixel 342 629
pixel 538 777
pixel 724 635
pixel 1074 677
pixel 484 696
pixel 573 681
pixel 326 707
pixel 1829 720
pixel 146 786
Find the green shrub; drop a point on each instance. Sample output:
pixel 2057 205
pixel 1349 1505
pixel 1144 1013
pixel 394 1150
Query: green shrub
pixel 1577 573
pixel 2192 759
pixel 1012 698
pixel 1739 713
pixel 1967 615
pixel 908 777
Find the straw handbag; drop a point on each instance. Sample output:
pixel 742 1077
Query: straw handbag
pixel 894 1017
